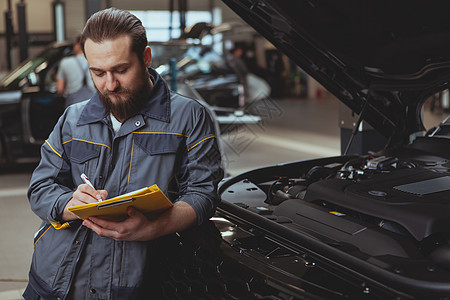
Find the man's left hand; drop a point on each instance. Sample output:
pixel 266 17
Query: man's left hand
pixel 138 228
pixel 134 228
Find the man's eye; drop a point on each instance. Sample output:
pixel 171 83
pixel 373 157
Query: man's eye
pixel 121 71
pixel 99 74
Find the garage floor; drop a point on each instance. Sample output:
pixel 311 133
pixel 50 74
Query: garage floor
pixel 291 129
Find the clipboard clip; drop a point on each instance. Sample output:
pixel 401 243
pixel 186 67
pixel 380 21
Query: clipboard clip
pixel 117 203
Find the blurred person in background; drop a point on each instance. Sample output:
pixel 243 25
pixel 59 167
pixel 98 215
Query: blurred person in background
pixel 239 66
pixel 255 88
pixel 74 80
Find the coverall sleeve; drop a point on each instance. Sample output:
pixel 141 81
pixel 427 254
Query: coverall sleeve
pixel 51 185
pixel 201 169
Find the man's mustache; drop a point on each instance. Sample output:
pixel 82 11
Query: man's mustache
pixel 118 90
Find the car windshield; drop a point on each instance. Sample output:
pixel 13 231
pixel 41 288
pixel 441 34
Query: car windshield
pixel 201 59
pixel 196 59
pixel 13 79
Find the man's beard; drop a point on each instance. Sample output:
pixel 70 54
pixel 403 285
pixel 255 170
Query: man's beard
pixel 129 103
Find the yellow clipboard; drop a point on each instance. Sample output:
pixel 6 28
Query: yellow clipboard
pixel 150 200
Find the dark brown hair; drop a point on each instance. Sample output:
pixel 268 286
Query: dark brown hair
pixel 111 23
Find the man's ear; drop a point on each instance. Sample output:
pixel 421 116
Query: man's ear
pixel 147 56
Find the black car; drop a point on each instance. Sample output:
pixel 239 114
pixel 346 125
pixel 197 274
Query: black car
pixel 29 105
pixel 370 226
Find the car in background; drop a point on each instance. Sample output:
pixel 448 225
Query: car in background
pixel 29 104
pixel 357 226
pixel 212 79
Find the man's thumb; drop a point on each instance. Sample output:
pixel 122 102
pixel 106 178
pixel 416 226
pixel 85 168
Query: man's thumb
pixel 131 211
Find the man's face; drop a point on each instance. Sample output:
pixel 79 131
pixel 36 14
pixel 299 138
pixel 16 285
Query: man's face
pixel 120 77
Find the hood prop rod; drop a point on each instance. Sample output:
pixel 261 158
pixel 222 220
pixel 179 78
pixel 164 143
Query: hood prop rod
pixel 355 128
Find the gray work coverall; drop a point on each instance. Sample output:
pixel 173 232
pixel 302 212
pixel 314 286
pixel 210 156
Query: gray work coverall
pixel 172 140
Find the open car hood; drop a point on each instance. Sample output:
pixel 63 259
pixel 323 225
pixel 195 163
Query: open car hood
pixel 381 58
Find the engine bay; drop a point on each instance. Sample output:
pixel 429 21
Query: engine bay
pixel 390 210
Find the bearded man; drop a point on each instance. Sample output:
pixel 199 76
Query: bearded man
pixel 133 133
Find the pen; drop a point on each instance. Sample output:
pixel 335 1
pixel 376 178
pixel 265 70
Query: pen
pixel 87 181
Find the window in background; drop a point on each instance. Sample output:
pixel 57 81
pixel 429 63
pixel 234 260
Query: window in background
pixel 158 23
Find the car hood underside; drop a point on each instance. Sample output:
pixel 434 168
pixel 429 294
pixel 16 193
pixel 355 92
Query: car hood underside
pixel 381 58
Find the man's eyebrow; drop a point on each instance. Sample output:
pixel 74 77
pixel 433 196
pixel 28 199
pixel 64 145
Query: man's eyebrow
pixel 115 67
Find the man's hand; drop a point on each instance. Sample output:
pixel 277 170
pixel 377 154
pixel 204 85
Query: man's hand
pixel 138 228
pixel 131 229
pixel 83 195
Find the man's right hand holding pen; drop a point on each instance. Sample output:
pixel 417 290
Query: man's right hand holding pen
pixel 85 194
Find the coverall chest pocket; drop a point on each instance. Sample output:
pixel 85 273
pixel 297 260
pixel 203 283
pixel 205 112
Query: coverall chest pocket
pixel 160 143
pixel 156 159
pixel 84 154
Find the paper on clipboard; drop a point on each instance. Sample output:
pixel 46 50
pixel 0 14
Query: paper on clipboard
pixel 150 201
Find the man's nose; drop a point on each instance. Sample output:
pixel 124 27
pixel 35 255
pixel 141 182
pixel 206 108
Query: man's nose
pixel 111 82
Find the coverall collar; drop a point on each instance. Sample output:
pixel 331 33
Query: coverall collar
pixel 157 106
